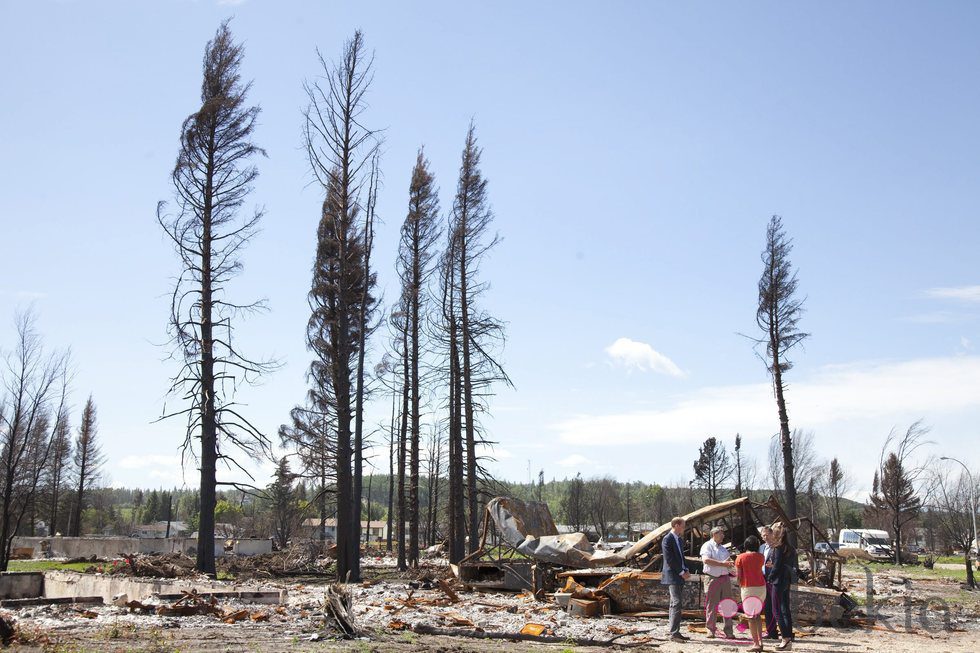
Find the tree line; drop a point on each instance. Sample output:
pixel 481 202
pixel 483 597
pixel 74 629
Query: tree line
pixel 48 469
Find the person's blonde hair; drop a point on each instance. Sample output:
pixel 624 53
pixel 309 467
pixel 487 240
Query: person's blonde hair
pixel 677 520
pixel 778 533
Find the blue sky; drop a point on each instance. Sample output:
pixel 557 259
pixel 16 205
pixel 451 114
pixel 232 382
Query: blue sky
pixel 634 151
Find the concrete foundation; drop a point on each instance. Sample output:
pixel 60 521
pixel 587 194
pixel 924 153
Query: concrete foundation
pixel 67 583
pixel 21 584
pixel 112 547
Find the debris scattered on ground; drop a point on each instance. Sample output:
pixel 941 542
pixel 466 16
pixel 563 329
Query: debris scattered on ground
pixel 298 560
pixel 163 565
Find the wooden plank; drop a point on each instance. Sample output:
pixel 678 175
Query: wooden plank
pixel 263 597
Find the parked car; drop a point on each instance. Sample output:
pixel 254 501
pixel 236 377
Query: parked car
pixel 826 547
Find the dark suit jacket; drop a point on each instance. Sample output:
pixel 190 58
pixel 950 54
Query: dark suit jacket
pixel 780 574
pixel 674 562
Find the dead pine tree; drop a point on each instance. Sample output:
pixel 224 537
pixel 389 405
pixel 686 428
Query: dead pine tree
pixel 449 332
pixel 366 310
pixel 212 178
pixel 475 333
pixel 57 472
pixel 778 316
pixel 88 463
pixel 342 157
pixel 416 250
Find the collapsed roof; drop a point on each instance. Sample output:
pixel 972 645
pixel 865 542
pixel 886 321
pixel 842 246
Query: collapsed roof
pixel 530 529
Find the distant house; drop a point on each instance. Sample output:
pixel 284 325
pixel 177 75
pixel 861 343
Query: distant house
pixel 374 531
pixel 159 529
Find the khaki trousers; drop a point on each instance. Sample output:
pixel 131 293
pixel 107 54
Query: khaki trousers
pixel 716 589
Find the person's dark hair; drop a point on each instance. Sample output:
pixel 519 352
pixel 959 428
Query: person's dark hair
pixel 751 543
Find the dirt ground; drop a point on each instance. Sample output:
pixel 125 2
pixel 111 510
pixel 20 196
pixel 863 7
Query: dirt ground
pixel 916 613
pixel 269 640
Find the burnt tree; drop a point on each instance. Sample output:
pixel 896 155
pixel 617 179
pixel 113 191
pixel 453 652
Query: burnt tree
pixel 476 332
pixel 419 234
pixel 88 463
pixel 778 316
pixel 455 504
pixel 342 157
pixel 212 178
pixel 57 470
pixel 400 319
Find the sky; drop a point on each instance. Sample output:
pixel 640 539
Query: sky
pixel 634 152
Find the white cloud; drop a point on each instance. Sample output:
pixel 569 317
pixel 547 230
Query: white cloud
pixel 641 356
pixel 575 460
pixel 969 294
pixel 890 392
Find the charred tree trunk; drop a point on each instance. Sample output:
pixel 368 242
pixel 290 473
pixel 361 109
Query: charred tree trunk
pixel 403 452
pixel 786 441
pixel 457 520
pixel 363 330
pixel 391 466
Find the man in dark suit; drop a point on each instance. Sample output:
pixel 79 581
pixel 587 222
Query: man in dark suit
pixel 674 574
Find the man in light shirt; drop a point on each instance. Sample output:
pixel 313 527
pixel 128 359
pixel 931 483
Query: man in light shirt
pixel 717 570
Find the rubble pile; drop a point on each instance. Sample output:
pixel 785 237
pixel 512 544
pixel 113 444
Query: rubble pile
pixel 294 561
pixel 162 565
pixel 442 607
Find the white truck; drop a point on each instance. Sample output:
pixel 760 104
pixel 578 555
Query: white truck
pixel 877 544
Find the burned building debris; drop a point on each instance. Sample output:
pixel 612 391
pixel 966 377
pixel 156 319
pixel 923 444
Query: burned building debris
pixel 521 549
